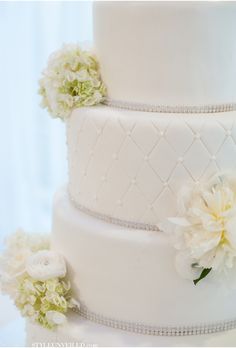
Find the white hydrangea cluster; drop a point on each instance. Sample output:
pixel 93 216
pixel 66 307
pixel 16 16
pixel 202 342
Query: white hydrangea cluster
pixel 34 277
pixel 71 79
pixel 46 302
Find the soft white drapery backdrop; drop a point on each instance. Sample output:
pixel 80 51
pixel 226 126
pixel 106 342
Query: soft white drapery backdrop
pixel 32 145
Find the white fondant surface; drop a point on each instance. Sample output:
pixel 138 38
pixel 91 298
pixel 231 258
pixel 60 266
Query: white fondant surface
pixel 167 53
pixel 79 331
pixel 129 275
pixel 130 165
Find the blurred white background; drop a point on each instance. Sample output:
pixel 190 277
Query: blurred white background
pixel 32 145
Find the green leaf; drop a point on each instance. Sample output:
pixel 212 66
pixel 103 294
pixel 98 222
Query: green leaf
pixel 204 273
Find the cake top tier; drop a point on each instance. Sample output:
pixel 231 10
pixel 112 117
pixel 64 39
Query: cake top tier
pixel 170 53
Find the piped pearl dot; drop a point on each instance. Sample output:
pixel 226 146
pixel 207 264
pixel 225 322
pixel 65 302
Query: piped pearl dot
pixel 229 132
pixel 99 131
pixel 180 159
pixel 115 156
pixel 213 157
pixel 128 133
pixel 165 184
pixel 133 181
pixel 146 158
pixel 197 136
pixel 161 133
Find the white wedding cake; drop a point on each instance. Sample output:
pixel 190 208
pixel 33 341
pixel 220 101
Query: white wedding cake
pixel 151 197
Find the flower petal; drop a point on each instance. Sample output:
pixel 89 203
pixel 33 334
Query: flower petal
pixel 55 318
pixel 231 232
pixel 180 221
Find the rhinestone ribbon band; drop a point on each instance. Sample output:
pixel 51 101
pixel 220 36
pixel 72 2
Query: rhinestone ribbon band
pixel 113 220
pixel 157 330
pixel 177 109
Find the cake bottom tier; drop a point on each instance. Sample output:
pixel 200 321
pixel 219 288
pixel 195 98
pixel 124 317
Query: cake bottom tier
pixel 127 275
pixel 81 332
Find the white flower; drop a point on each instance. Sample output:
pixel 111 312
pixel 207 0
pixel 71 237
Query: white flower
pixel 20 240
pixel 71 79
pixel 46 264
pixel 28 286
pixel 13 263
pixel 206 229
pixel 31 275
pixel 28 310
pixel 38 241
pixel 17 240
pixel 8 285
pixel 55 318
pixel 19 247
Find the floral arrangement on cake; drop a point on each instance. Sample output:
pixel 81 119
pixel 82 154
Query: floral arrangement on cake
pixel 206 228
pixel 71 80
pixel 35 278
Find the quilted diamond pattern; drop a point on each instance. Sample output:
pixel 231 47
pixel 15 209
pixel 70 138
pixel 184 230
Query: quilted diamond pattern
pixel 131 165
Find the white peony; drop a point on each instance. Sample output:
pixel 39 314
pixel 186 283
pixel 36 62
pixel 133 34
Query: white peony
pixel 8 285
pixel 17 240
pixel 13 263
pixel 46 264
pixel 206 228
pixel 19 247
pixel 20 240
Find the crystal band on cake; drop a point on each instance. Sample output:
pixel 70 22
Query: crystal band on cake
pixel 175 109
pixel 113 220
pixel 143 329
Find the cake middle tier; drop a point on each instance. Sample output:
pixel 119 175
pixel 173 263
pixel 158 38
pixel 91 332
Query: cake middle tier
pixel 129 275
pixel 130 165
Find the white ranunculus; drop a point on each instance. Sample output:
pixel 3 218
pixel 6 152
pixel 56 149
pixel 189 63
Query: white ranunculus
pixel 46 264
pixel 55 318
pixel 20 240
pixel 206 226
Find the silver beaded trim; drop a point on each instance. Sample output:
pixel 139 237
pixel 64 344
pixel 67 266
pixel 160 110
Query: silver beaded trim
pixel 176 109
pixel 143 329
pixel 113 220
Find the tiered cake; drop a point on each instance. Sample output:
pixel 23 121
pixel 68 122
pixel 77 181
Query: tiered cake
pixel 169 119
